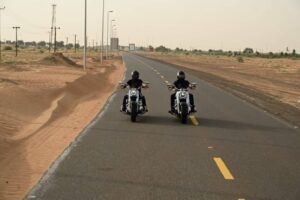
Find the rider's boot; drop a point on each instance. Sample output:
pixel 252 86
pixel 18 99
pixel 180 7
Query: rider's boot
pixel 123 108
pixel 145 109
pixel 193 109
pixel 172 111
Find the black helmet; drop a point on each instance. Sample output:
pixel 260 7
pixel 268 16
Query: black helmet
pixel 135 75
pixel 180 75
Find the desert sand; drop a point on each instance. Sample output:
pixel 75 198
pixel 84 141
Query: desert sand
pixel 43 108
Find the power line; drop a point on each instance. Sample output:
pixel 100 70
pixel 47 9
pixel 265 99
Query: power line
pixel 21 19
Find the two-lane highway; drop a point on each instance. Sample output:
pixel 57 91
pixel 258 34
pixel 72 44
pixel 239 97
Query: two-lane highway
pixel 229 150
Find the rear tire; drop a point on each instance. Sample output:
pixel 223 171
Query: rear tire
pixel 133 112
pixel 184 113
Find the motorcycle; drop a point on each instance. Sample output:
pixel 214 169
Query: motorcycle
pixel 182 102
pixel 134 103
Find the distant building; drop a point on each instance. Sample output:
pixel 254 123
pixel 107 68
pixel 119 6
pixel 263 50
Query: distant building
pixel 114 43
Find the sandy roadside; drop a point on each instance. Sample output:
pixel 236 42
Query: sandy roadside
pixel 272 84
pixel 43 108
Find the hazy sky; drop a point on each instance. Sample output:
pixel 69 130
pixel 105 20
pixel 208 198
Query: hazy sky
pixel 268 25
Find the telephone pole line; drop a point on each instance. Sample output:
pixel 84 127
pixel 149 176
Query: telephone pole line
pixel 1 8
pixel 16 27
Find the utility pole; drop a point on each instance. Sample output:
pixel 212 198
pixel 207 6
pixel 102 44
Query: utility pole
pixel 107 42
pixel 53 24
pixel 66 45
pixel 16 27
pixel 55 45
pixel 75 43
pixel 0 36
pixel 85 37
pixel 49 41
pixel 102 46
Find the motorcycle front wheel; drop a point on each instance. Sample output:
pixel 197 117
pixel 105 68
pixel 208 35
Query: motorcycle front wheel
pixel 134 107
pixel 184 113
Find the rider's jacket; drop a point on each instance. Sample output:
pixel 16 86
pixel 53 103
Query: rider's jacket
pixel 135 83
pixel 179 84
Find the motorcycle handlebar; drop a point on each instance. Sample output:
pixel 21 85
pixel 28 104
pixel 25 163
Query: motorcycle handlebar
pixel 124 85
pixel 172 87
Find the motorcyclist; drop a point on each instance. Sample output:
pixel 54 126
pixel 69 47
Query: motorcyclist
pixel 135 82
pixel 181 83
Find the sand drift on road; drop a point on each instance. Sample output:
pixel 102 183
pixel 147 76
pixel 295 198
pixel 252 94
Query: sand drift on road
pixel 43 108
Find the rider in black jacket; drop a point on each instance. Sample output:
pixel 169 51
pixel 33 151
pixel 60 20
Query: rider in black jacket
pixel 179 84
pixel 135 82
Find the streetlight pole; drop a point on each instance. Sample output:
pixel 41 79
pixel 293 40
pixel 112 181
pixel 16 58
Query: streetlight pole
pixel 102 41
pixel 107 42
pixel 112 28
pixel 85 38
pixel 111 33
pixel 0 36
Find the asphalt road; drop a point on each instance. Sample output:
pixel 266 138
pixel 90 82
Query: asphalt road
pixel 236 151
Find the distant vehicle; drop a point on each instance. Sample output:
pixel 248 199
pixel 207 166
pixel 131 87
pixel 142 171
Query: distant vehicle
pixel 131 47
pixel 182 102
pixel 134 104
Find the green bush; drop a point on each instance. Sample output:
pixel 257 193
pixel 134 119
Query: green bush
pixel 240 59
pixel 8 48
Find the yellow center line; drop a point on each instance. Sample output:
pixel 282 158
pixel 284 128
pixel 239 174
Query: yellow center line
pixel 162 77
pixel 223 169
pixel 194 120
